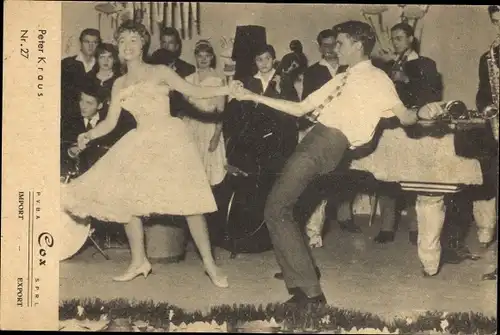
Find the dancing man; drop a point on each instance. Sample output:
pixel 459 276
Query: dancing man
pixel 348 109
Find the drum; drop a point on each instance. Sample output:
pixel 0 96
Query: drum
pixel 166 239
pixel 72 235
pixel 246 231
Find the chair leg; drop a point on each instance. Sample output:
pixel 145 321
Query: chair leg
pixel 373 211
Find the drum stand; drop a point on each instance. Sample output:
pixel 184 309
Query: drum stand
pixel 96 245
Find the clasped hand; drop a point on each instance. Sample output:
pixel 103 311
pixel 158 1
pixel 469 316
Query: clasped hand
pixel 238 91
pixel 431 111
pixel 83 140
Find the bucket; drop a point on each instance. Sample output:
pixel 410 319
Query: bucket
pixel 165 239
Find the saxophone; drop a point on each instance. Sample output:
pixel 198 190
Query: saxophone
pixel 491 112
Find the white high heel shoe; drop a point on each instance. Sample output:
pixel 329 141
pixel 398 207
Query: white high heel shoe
pixel 145 269
pixel 217 279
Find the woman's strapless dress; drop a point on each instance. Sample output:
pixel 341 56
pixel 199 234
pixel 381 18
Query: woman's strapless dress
pixel 153 169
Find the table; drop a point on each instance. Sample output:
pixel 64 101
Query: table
pixel 423 164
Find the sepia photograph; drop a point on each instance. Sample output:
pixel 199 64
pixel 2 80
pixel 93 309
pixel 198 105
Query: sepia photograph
pixel 254 167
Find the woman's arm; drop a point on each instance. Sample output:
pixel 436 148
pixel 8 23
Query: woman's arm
pixel 106 126
pixel 177 83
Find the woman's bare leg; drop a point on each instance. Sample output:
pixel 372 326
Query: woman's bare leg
pixel 139 263
pixel 135 234
pixel 199 231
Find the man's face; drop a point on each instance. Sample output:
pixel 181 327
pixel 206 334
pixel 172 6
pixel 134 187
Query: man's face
pixel 264 62
pixel 345 48
pixel 169 43
pixel 88 105
pixel 89 44
pixel 327 48
pixel 495 19
pixel 400 41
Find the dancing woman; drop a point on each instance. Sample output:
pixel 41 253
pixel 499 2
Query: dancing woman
pixel 153 169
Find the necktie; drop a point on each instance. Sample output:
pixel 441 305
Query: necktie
pixel 313 116
pixel 88 126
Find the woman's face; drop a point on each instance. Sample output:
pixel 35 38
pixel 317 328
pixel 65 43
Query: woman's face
pixel 401 41
pixel 203 59
pixel 130 46
pixel 106 61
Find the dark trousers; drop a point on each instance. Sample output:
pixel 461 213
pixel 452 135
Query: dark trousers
pixel 319 153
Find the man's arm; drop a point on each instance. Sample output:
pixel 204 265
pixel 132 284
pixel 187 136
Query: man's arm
pixel 483 96
pixel 289 107
pixel 406 116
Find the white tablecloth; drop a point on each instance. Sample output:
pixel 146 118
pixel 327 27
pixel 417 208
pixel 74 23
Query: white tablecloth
pixel 399 158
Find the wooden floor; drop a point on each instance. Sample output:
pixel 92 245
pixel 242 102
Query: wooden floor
pixel 356 274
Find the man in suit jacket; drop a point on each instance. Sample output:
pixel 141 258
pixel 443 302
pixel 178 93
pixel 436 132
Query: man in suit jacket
pixel 171 43
pixel 315 77
pixel 91 113
pixel 74 70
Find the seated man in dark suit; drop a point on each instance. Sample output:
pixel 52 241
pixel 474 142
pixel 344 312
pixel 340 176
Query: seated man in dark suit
pixel 74 69
pixel 315 77
pixel 171 44
pixel 91 113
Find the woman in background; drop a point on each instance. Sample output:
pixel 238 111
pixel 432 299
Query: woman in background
pixel 107 70
pixel 203 120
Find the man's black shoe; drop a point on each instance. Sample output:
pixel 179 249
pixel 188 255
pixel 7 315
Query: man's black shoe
pixel 490 276
pixel 301 300
pixel 427 275
pixel 350 226
pixel 451 256
pixel 384 237
pixel 279 275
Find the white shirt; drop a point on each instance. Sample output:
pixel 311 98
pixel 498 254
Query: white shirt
pixel 87 66
pixel 368 95
pixel 93 121
pixel 265 81
pixel 331 69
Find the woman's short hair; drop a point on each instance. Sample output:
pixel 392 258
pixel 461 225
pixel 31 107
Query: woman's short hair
pixel 108 47
pixel 205 46
pixel 359 32
pixel 135 27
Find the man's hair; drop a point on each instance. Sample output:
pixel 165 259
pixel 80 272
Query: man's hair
pixel 262 49
pixel 359 32
pixel 171 31
pixel 93 90
pixel 493 9
pixel 404 27
pixel 91 32
pixel 409 31
pixel 324 34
